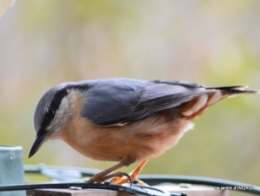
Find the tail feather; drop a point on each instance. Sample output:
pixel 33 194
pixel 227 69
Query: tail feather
pixel 234 90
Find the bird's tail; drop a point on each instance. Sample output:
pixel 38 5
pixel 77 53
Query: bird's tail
pixel 230 91
pixel 211 96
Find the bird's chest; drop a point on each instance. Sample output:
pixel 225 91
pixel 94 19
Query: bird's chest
pixel 141 140
pixel 99 143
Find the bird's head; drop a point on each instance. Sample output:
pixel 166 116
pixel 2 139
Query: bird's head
pixel 52 113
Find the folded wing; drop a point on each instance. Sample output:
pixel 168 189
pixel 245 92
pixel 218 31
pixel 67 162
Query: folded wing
pixel 116 101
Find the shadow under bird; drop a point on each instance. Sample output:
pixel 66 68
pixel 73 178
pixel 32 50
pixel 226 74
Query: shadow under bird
pixel 123 120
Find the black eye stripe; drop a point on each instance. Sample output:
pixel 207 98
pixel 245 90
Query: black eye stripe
pixel 50 111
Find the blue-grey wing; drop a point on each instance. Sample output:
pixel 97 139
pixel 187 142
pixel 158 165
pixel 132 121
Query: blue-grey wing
pixel 114 101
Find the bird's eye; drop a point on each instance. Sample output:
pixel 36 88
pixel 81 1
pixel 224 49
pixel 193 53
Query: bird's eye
pixel 50 112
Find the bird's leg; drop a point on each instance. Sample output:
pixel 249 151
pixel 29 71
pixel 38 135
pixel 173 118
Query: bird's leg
pixel 133 175
pixel 102 176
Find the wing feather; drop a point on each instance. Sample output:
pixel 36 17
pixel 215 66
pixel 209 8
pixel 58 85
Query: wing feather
pixel 116 101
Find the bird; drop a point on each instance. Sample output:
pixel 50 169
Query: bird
pixel 123 120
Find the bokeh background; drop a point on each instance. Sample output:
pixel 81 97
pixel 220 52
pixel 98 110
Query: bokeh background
pixel 44 43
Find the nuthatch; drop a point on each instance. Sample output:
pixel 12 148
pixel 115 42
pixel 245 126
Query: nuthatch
pixel 123 120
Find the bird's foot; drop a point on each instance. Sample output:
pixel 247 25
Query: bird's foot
pixel 123 180
pixel 119 175
pixel 133 175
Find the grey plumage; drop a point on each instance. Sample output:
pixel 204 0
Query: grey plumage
pixel 126 100
pixel 115 101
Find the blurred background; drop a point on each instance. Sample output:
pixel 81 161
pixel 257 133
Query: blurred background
pixel 44 43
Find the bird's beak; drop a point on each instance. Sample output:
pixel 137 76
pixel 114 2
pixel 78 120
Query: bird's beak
pixel 40 138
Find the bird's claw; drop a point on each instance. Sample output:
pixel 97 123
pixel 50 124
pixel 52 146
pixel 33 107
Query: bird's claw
pixel 118 180
pixel 116 175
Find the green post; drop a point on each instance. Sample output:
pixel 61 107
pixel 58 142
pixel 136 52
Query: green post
pixel 11 168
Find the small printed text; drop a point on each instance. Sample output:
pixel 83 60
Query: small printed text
pixel 233 188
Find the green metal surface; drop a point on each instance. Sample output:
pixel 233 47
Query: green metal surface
pixel 11 168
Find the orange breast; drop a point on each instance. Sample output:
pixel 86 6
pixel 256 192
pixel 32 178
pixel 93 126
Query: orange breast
pixel 140 140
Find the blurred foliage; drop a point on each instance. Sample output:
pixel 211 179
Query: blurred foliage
pixel 44 43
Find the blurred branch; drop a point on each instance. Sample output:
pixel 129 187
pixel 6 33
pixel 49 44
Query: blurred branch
pixel 4 4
